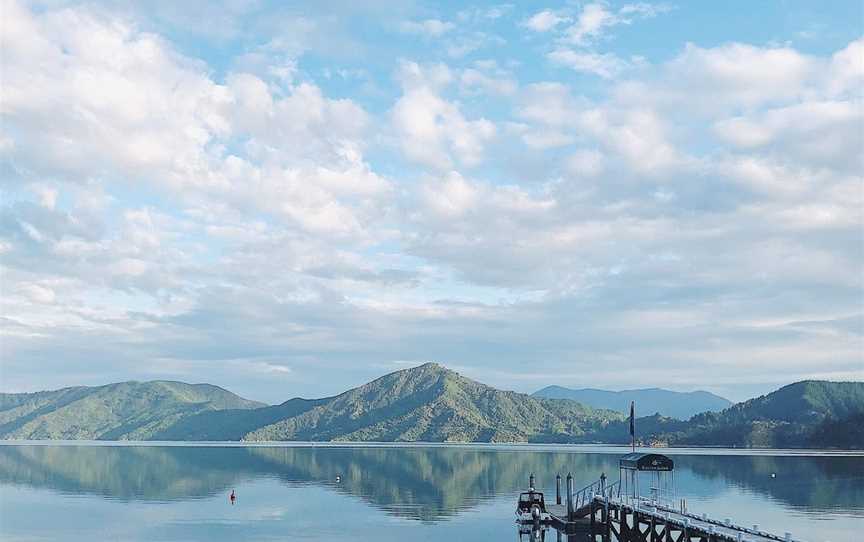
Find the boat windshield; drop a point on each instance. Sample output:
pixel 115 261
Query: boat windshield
pixel 527 499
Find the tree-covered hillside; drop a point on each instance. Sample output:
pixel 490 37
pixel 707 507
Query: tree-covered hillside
pixel 123 411
pixel 809 413
pixel 426 403
pixel 233 424
pixel 432 403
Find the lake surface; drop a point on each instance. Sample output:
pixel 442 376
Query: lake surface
pixel 382 493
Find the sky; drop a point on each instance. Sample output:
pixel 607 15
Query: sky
pixel 290 199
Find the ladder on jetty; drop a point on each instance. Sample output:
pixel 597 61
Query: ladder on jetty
pixel 582 500
pixel 601 509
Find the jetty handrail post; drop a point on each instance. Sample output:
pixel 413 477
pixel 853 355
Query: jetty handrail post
pixel 558 488
pixel 569 497
pixel 605 511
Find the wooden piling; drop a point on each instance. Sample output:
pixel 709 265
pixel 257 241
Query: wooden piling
pixel 558 489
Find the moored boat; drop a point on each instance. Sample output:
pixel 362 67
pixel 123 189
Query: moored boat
pixel 531 508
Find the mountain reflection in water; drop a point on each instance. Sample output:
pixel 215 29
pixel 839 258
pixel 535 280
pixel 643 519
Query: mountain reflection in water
pixel 426 484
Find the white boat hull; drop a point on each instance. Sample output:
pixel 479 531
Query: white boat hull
pixel 525 517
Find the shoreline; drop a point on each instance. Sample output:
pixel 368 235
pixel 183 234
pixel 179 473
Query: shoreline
pixel 503 447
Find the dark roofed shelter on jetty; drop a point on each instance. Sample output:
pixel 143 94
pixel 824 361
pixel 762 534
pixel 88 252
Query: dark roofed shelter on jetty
pixel 646 462
pixel 618 512
pixel 660 476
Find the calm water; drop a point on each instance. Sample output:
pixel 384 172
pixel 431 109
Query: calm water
pixel 440 493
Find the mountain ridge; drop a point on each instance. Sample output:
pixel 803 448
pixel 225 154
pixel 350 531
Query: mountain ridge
pixel 808 411
pixel 442 406
pixel 117 411
pixel 428 403
pixel 675 404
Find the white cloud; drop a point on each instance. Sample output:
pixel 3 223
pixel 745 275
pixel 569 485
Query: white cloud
pixel 47 195
pixel 483 14
pixel 768 177
pixel 826 132
pixel 606 65
pixel 591 21
pixel 432 130
pixel 137 105
pixel 726 77
pixel 160 208
pixel 846 70
pixel 586 162
pixel 412 75
pixel 469 42
pixel 644 9
pixel 638 135
pixel 123 104
pixel 429 27
pixel 548 138
pixel 577 49
pixel 741 73
pixel 550 103
pixel 472 80
pixel 596 17
pixel 452 196
pixel 37 292
pixel 545 20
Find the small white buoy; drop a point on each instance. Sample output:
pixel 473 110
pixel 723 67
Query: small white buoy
pixel 773 475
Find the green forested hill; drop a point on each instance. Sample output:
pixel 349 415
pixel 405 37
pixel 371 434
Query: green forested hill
pixel 803 402
pixel 123 411
pixel 426 403
pixel 804 414
pixel 431 403
pixel 233 424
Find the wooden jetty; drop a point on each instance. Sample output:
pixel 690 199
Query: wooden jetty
pixel 618 513
pixel 611 520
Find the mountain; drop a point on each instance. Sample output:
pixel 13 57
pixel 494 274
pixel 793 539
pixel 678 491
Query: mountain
pixel 810 413
pixel 681 405
pixel 122 411
pixel 426 403
pixel 432 403
pixel 807 414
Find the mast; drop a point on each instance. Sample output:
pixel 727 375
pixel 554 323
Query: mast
pixel 633 425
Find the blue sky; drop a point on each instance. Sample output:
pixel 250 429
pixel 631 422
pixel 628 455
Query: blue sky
pixel 289 200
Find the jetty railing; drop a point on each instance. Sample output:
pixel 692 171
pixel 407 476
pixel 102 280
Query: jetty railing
pixel 611 512
pixel 586 495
